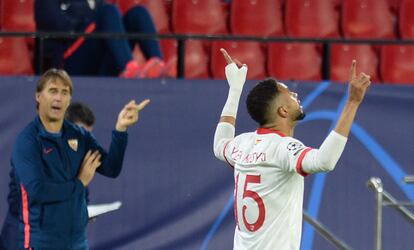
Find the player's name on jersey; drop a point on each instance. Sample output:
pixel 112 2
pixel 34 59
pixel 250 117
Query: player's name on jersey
pixel 255 157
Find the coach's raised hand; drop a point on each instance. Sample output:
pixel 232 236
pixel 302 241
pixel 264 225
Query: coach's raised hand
pixel 129 115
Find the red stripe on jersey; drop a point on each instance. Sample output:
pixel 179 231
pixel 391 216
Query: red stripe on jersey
pixel 236 187
pixel 25 205
pixel 262 131
pixel 299 162
pixel 224 154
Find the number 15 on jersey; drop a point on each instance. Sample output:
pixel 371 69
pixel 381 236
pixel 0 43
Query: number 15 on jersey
pixel 253 211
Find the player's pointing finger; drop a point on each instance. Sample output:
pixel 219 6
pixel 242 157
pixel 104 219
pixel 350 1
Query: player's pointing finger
pixel 352 73
pixel 226 56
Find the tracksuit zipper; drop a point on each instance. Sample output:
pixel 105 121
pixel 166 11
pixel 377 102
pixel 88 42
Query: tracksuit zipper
pixel 67 168
pixel 64 154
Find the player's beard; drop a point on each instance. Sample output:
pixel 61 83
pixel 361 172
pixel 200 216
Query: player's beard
pixel 300 115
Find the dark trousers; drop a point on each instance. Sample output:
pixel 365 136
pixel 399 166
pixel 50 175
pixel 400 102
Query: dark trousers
pixel 108 57
pixel 9 237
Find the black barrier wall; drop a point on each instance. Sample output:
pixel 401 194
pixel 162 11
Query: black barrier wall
pixel 176 195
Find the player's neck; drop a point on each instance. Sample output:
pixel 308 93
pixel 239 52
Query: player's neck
pixel 282 127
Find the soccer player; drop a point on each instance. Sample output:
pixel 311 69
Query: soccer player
pixel 55 160
pixel 269 164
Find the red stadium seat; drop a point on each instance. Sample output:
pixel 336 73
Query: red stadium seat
pixel 196 58
pixel 397 64
pixel 394 5
pixel 246 52
pixel 169 49
pixel 14 57
pixel 157 9
pixel 317 18
pixel 159 14
pixel 198 17
pixel 342 56
pixel 260 18
pixel 18 15
pixel 1 14
pixel 367 19
pixel 294 61
pixel 406 21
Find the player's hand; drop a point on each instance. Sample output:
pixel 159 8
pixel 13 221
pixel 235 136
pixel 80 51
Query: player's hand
pixel 89 165
pixel 129 115
pixel 236 72
pixel 358 85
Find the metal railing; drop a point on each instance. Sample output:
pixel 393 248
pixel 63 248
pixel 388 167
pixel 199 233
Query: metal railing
pixel 182 38
pixel 326 233
pixel 409 179
pixel 383 198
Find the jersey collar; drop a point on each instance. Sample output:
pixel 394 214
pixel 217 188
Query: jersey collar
pixel 262 131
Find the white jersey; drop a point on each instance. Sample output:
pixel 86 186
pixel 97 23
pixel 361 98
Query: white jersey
pixel 268 189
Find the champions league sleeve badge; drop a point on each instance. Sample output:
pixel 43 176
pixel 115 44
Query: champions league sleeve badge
pixel 294 146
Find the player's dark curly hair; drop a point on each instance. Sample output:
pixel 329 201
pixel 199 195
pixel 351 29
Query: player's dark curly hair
pixel 259 100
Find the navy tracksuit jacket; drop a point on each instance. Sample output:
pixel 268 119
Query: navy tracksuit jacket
pixel 53 212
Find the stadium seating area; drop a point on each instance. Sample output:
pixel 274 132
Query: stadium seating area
pixel 349 19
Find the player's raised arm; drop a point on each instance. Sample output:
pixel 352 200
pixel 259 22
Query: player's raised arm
pixel 236 77
pixel 331 149
pixel 358 85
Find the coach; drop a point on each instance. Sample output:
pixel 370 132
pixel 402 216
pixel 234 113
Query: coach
pixel 55 161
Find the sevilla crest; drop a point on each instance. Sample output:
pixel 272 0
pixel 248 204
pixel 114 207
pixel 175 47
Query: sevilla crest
pixel 73 144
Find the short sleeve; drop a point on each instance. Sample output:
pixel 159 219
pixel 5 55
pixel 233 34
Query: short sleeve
pixel 289 155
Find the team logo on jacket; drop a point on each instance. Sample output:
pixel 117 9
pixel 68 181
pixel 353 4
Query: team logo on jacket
pixel 73 144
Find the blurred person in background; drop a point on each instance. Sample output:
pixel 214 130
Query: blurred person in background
pixel 77 113
pixel 81 115
pixel 104 57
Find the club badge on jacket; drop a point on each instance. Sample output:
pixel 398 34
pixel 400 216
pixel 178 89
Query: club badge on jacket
pixel 73 144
